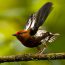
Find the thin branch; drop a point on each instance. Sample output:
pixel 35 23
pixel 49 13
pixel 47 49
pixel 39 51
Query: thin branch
pixel 29 57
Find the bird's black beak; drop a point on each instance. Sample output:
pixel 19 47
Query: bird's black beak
pixel 14 34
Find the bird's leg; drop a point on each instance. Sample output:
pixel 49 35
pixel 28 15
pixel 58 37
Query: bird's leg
pixel 44 43
pixel 46 37
pixel 42 49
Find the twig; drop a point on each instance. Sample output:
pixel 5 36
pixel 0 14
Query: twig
pixel 29 57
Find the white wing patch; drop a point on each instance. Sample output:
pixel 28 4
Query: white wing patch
pixel 46 39
pixel 40 32
pixel 31 22
pixel 28 24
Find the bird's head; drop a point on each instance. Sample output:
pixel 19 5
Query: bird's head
pixel 22 33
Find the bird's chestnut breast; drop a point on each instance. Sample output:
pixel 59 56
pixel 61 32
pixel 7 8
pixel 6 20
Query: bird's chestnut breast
pixel 30 42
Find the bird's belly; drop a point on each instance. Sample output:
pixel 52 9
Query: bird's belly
pixel 31 43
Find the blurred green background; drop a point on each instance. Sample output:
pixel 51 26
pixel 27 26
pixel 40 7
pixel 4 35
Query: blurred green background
pixel 13 16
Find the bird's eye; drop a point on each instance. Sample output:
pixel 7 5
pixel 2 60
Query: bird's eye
pixel 17 33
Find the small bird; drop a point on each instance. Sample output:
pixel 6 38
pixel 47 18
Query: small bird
pixel 32 35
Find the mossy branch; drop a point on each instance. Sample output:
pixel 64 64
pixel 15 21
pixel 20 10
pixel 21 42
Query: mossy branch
pixel 29 57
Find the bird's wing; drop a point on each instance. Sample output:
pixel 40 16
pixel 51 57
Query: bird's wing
pixel 37 19
pixel 31 22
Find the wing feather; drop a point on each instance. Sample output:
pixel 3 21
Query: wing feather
pixel 38 18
